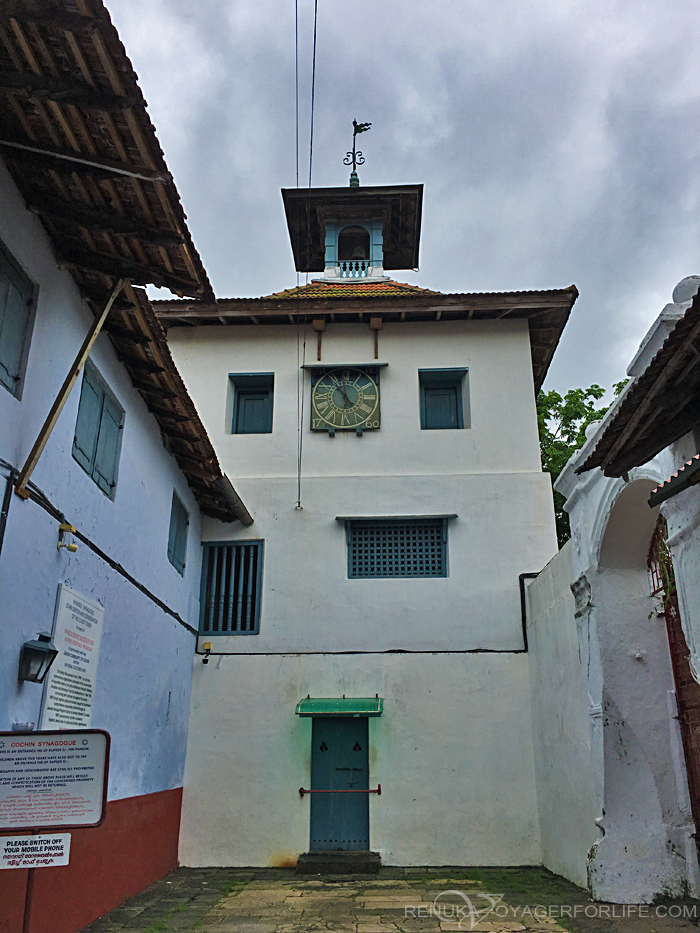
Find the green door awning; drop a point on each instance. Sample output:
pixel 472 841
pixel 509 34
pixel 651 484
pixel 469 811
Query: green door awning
pixel 340 706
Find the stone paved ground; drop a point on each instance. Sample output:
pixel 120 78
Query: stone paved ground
pixel 411 900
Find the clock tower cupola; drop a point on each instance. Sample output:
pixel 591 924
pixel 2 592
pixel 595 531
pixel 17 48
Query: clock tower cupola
pixel 354 233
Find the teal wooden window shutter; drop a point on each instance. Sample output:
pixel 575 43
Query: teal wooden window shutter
pixel 87 426
pixel 177 538
pixel 252 413
pixel 16 303
pixel 441 398
pixel 107 446
pixel 252 402
pixel 231 588
pixel 98 429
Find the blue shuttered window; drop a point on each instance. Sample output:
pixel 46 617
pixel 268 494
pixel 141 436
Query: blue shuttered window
pixel 252 402
pixel 98 431
pixel 441 398
pixel 16 304
pixel 414 547
pixel 231 588
pixel 177 537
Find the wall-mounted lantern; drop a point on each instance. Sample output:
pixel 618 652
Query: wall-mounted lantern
pixel 36 658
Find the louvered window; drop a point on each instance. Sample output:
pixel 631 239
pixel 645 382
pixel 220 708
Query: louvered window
pixel 98 431
pixel 231 588
pixel 397 548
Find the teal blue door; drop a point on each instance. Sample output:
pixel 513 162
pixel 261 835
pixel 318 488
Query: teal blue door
pixel 339 762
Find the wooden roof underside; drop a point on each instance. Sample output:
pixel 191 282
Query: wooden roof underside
pixel 659 408
pixel 399 207
pixel 78 141
pixel 546 312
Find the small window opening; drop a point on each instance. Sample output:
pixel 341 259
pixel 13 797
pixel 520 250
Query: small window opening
pixel 442 402
pixel 252 402
pixel 353 243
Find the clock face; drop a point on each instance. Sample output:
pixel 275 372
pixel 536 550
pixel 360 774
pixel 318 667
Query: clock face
pixel 345 399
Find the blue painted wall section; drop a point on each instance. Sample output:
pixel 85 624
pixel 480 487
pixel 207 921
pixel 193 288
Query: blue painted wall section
pixel 144 673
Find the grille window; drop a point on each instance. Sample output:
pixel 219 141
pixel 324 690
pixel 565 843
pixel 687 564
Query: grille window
pixel 397 548
pixel 231 588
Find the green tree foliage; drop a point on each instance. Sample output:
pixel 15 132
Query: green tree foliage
pixel 562 423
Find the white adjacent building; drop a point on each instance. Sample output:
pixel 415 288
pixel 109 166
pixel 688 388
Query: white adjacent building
pixel 367 629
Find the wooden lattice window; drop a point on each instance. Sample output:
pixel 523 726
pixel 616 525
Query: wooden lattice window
pixel 231 588
pixel 397 547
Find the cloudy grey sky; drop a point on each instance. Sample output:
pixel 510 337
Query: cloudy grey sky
pixel 558 142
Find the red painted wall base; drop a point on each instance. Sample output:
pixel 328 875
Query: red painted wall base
pixel 135 846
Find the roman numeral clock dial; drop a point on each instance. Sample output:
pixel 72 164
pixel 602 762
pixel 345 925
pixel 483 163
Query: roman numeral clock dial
pixel 345 400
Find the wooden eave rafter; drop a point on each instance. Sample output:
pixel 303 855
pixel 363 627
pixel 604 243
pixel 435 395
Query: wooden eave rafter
pixel 78 141
pixel 659 408
pixel 141 345
pixel 546 312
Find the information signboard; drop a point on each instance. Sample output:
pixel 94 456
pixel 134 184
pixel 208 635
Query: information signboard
pixel 70 683
pixel 53 780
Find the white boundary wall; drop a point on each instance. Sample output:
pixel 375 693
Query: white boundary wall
pixel 561 731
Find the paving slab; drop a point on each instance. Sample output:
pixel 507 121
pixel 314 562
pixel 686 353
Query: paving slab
pixel 413 900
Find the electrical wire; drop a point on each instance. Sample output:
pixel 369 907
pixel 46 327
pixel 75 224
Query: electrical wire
pixel 313 93
pixel 296 84
pixel 37 496
pixel 300 405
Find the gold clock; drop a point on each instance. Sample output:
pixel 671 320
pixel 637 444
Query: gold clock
pixel 345 399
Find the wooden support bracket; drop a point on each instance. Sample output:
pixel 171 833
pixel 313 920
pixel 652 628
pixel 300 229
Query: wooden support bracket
pixel 319 325
pixel 375 324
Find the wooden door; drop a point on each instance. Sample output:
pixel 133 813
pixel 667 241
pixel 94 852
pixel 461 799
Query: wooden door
pixel 687 688
pixel 339 762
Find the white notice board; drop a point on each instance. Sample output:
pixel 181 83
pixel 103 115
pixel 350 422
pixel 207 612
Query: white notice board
pixel 35 851
pixel 69 687
pixel 53 779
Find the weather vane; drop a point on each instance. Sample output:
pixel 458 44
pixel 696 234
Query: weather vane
pixel 355 157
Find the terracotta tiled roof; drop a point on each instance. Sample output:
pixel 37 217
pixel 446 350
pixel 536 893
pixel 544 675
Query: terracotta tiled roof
pixel 354 288
pixel 682 479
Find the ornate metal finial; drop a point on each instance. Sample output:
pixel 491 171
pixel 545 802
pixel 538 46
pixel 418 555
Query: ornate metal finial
pixel 355 158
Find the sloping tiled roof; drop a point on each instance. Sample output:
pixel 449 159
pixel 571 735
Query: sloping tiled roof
pixel 78 141
pixel 659 408
pixel 545 311
pixel 355 288
pixel 141 345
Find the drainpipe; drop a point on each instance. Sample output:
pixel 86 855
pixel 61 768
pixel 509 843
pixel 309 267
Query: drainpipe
pixel 523 604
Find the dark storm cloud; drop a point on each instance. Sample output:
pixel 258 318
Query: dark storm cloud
pixel 557 141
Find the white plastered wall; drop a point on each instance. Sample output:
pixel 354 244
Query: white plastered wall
pixel 561 733
pixel 452 752
pixel 646 847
